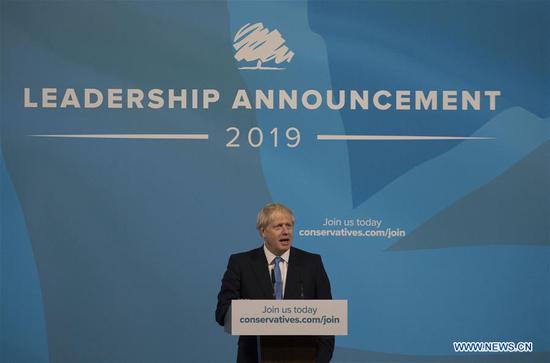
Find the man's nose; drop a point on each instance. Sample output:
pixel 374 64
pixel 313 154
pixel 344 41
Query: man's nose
pixel 285 229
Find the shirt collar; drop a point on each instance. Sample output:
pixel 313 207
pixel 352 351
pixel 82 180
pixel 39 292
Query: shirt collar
pixel 270 256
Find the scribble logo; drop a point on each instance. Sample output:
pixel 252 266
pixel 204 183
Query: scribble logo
pixel 255 43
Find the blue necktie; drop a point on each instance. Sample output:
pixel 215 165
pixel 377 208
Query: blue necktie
pixel 278 279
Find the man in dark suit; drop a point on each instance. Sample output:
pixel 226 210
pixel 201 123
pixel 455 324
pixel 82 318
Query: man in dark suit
pixel 248 276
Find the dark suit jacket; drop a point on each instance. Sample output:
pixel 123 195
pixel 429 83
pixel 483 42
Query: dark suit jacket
pixel 247 277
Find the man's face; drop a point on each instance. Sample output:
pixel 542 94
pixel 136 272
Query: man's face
pixel 278 233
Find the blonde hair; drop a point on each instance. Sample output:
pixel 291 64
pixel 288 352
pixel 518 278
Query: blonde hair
pixel 264 216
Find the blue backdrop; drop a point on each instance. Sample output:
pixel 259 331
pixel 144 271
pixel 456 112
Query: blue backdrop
pixel 112 250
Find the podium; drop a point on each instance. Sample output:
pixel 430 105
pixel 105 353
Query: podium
pixel 288 330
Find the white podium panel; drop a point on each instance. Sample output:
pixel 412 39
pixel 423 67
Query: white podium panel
pixel 288 317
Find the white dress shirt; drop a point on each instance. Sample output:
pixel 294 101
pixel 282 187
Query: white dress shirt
pixel 283 264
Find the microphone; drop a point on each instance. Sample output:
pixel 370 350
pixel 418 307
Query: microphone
pixel 301 282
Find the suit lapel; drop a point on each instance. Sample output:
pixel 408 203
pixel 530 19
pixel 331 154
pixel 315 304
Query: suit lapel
pixel 259 265
pixel 292 276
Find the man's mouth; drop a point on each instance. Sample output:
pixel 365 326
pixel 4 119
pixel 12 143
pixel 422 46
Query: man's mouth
pixel 284 240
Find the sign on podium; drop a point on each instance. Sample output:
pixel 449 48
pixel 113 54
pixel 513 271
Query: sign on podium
pixel 287 317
